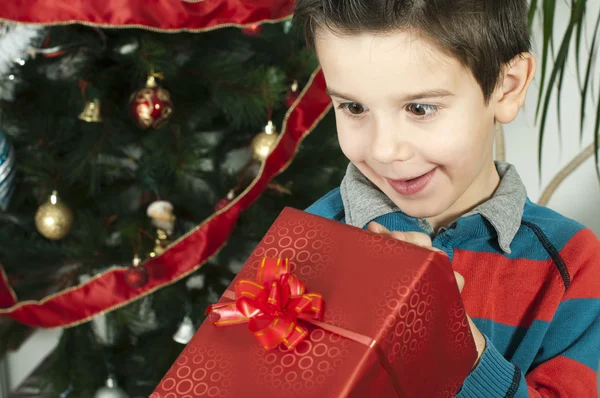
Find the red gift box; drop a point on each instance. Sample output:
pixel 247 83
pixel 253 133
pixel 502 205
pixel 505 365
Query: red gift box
pixel 393 324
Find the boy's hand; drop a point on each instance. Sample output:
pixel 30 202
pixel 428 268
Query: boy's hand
pixel 421 239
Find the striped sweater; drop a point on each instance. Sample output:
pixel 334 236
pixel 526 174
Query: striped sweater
pixel 532 285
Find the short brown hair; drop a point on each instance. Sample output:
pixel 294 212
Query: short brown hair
pixel 483 35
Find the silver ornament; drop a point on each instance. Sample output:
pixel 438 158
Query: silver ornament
pixel 111 390
pixel 7 171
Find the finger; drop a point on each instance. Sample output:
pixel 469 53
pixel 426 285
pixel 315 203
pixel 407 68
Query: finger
pixel 460 281
pixel 416 238
pixel 378 228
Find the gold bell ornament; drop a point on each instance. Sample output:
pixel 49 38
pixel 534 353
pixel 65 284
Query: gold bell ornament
pixel 91 112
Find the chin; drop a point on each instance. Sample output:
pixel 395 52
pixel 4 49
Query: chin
pixel 420 208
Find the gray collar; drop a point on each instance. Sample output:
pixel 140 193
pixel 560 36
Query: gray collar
pixel 363 202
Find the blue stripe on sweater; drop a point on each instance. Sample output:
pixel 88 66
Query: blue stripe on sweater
pixel 525 245
pixel 511 340
pixel 557 228
pixel 584 325
pixel 523 390
pixel 328 206
pixel 580 341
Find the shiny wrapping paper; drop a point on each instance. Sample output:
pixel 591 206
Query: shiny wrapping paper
pixel 395 325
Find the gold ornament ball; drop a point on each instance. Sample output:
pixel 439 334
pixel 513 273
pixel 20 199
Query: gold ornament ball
pixel 53 219
pixel 262 145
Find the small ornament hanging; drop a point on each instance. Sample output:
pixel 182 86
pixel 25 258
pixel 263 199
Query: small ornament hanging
pixel 161 213
pixel 185 332
pixel 287 26
pixel 127 46
pixel 292 95
pixel 151 106
pixel 91 112
pixel 8 171
pixel 160 244
pixel 253 30
pixel 54 219
pixel 281 189
pixel 225 201
pixel 110 390
pixel 136 276
pixel 264 142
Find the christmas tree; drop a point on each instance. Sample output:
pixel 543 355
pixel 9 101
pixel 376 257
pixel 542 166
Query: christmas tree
pixel 116 144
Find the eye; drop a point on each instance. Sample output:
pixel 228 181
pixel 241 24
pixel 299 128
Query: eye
pixel 353 109
pixel 423 111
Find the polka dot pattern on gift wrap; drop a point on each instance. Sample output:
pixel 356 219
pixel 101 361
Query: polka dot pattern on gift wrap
pixel 458 326
pixel 198 372
pixel 406 308
pixel 381 247
pixel 305 243
pixel 450 390
pixel 302 371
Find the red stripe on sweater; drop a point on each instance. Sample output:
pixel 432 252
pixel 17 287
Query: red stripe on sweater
pixel 576 379
pixel 585 269
pixel 513 292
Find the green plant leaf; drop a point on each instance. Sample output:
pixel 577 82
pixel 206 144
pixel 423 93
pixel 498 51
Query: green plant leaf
pixel 578 36
pixel 549 9
pixel 559 64
pixel 588 74
pixel 558 102
pixel 596 140
pixel 532 10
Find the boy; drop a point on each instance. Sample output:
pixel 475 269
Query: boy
pixel 417 86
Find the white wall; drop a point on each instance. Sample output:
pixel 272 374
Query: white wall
pixel 579 196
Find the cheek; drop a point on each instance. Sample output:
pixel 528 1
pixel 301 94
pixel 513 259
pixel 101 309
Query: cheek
pixel 459 149
pixel 467 140
pixel 453 145
pixel 352 142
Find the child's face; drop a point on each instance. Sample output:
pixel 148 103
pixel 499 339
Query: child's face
pixel 412 119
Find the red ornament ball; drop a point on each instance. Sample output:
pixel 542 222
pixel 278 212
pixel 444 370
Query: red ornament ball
pixel 151 106
pixel 291 97
pixel 222 203
pixel 253 30
pixel 136 276
pixel 226 200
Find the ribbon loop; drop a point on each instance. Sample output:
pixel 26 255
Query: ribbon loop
pixel 271 306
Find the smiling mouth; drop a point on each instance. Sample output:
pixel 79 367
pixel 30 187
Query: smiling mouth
pixel 412 186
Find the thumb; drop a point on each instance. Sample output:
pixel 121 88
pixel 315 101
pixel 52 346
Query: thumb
pixel 460 281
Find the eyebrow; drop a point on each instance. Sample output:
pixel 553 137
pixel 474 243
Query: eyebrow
pixel 435 93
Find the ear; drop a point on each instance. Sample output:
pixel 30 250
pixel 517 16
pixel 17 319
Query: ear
pixel 510 95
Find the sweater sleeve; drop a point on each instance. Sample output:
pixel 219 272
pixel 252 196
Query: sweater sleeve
pixel 567 360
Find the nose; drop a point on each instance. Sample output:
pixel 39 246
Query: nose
pixel 388 145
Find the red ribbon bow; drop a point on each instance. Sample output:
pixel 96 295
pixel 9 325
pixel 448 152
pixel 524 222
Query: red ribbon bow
pixel 271 305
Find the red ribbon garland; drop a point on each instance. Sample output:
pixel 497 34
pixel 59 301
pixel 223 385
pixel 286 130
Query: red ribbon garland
pixel 161 15
pixel 109 291
pixel 271 306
